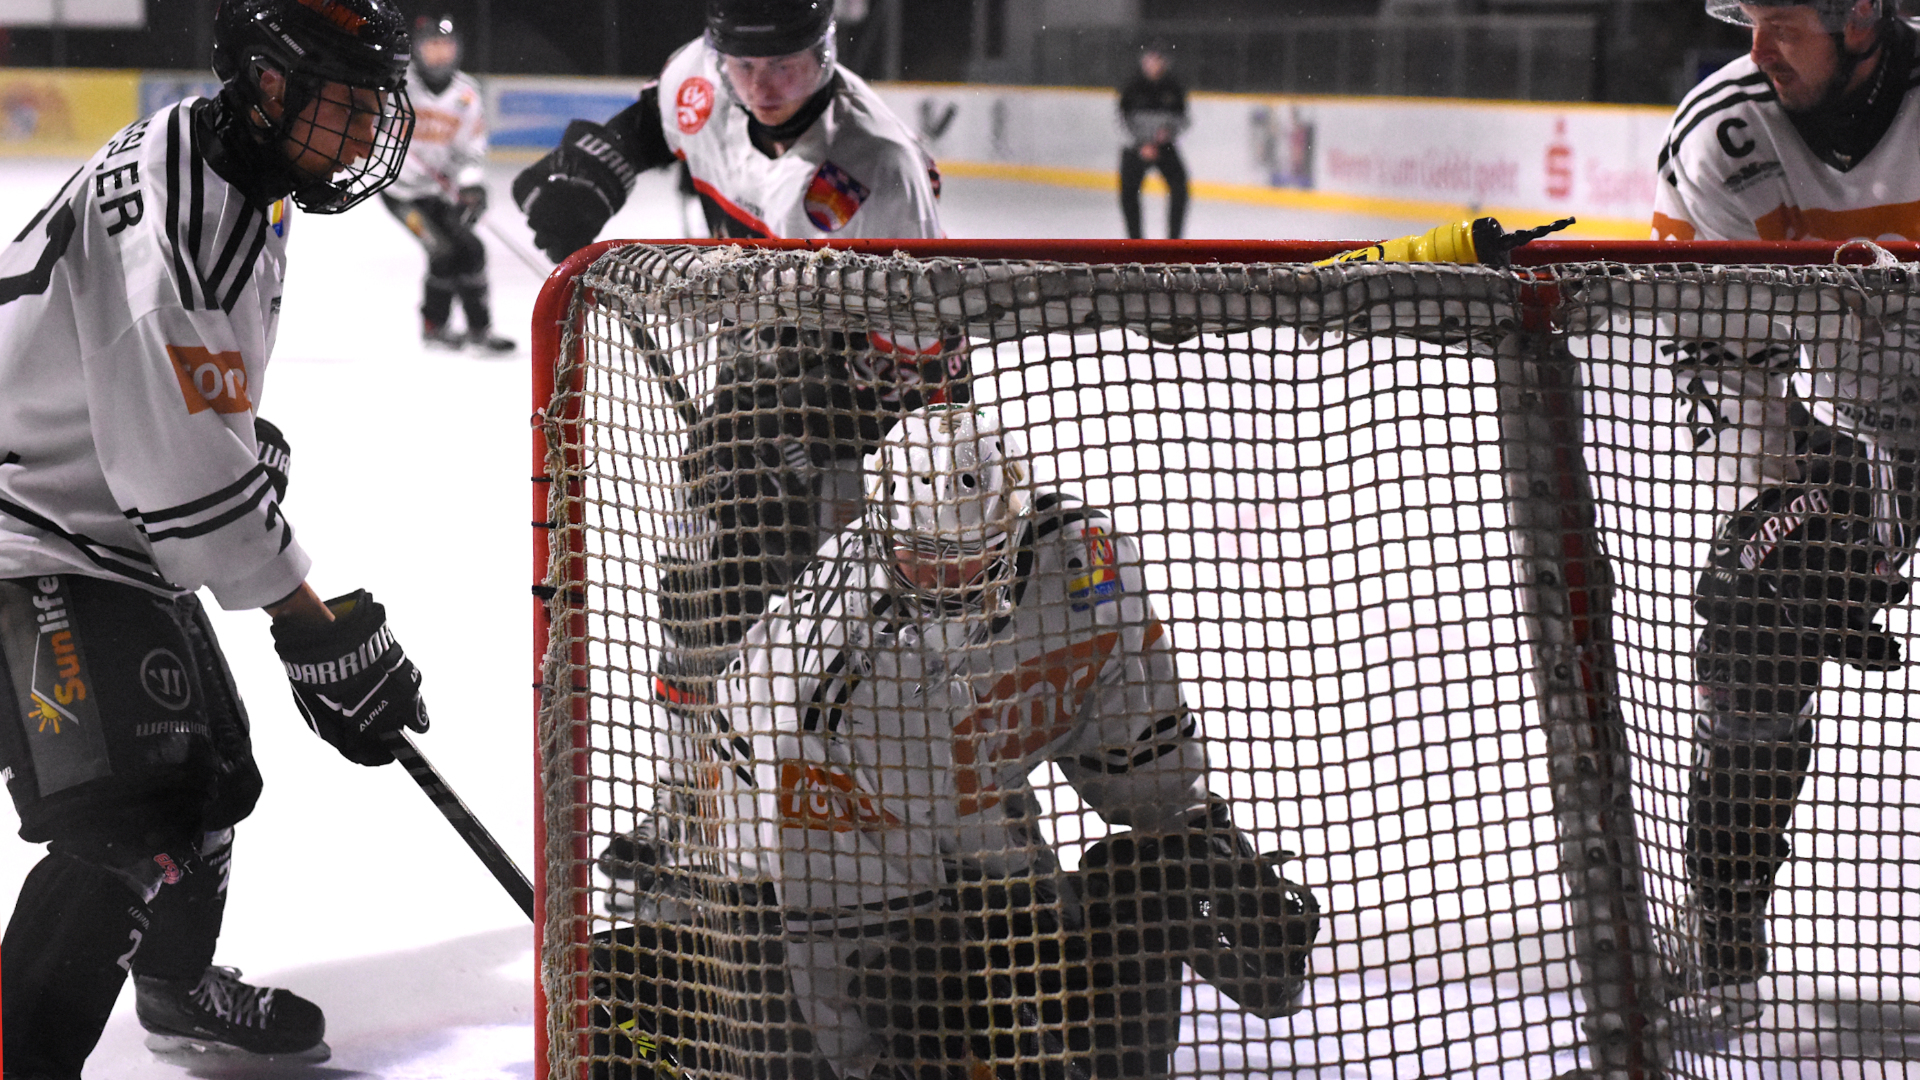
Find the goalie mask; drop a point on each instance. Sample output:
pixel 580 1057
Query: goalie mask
pixel 945 494
pixel 342 120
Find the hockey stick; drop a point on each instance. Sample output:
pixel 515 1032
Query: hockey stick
pixel 677 393
pixel 475 834
pixel 530 259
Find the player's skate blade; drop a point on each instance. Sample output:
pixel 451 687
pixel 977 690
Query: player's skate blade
pixel 191 1053
pixel 219 1013
pixel 486 341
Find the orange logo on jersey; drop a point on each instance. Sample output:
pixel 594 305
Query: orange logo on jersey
pixel 210 380
pixel 1669 228
pixel 692 104
pixel 815 797
pixel 435 127
pixel 1895 221
pixel 1012 723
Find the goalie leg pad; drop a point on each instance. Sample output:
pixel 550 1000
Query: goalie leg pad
pixel 684 999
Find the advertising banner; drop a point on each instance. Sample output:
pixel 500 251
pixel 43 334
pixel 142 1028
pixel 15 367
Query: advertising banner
pixel 63 113
pixel 526 115
pixel 1399 157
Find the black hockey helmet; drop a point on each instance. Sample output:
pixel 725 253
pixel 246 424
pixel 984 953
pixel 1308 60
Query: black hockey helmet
pixel 435 62
pixel 767 27
pixel 360 44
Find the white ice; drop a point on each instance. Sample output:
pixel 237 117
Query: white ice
pixel 410 479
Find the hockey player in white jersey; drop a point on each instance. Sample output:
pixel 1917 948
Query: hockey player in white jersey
pixel 890 710
pixel 780 141
pixel 137 312
pixel 441 192
pixel 1813 135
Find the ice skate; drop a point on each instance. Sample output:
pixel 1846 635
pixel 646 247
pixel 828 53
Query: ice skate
pixel 484 340
pixel 438 336
pixel 218 1016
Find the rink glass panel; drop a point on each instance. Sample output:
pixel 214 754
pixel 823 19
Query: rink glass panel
pixel 1335 479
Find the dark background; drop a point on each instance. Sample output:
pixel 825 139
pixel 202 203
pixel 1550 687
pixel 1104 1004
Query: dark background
pixel 1632 50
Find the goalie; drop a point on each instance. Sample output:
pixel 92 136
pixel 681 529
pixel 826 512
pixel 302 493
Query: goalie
pixel 890 710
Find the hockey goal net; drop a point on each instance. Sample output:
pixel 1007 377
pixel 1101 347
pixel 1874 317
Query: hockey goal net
pixel 1426 540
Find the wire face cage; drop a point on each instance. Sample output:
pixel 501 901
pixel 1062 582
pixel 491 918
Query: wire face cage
pixel 1369 669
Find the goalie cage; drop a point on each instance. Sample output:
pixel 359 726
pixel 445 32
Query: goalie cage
pixel 1425 537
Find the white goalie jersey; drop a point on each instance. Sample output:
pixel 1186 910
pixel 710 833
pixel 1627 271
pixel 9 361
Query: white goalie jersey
pixel 891 745
pixel 1735 167
pixel 137 312
pixel 856 172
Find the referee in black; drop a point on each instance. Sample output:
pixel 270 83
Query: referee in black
pixel 1153 107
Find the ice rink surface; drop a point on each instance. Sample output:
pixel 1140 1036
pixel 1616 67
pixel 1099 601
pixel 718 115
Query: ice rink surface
pixel 410 480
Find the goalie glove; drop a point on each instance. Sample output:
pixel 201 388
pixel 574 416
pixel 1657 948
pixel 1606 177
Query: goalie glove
pixel 569 194
pixel 1805 559
pixel 1204 895
pixel 350 678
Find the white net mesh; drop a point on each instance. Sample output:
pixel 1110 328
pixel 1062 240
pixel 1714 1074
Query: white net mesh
pixel 1414 550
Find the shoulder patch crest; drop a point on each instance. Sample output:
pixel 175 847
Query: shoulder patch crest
pixel 833 197
pixel 1101 580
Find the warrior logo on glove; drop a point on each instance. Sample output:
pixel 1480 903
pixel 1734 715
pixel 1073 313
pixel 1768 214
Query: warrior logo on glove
pixel 352 681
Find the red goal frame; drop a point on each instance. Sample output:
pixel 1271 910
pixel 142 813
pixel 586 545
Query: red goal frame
pixel 549 326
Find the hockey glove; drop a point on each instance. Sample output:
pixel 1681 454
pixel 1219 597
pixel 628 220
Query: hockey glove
pixel 274 455
pixel 473 203
pixel 1805 559
pixel 351 679
pixel 1206 896
pixel 569 194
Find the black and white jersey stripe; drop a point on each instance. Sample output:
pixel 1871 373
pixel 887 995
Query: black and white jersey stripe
pixel 206 254
pixel 120 561
pixel 1707 103
pixel 211 512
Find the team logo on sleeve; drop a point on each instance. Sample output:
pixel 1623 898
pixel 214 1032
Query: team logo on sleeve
pixel 833 197
pixel 277 217
pixel 1101 582
pixel 210 380
pixel 692 105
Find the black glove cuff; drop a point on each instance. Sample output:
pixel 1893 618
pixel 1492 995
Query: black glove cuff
pixel 274 455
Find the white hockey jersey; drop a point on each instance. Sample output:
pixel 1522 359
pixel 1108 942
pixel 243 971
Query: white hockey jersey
pixel 137 312
pixel 1734 168
pixel 856 172
pixel 891 745
pixel 449 144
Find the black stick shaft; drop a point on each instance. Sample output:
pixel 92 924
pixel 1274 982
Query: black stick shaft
pixel 491 854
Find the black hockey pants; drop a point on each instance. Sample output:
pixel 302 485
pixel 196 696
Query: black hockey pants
pixel 1133 171
pixel 456 260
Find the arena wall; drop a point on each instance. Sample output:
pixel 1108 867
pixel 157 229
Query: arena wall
pixel 1392 157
